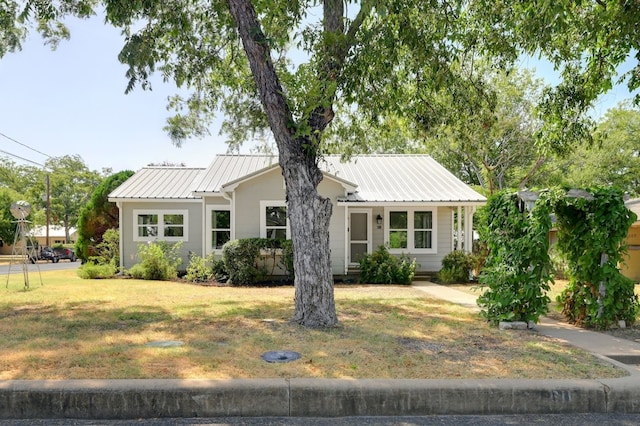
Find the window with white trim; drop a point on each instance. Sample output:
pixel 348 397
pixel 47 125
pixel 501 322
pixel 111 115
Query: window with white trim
pixel 411 229
pixel 220 227
pixel 273 220
pixel 161 225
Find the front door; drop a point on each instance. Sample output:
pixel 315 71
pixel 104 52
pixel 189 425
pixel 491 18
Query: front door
pixel 359 235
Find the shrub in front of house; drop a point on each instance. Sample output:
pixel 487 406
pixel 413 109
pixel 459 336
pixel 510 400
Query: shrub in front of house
pixel 158 261
pixel 249 261
pixel 380 267
pixel 93 271
pixel 198 270
pixel 456 267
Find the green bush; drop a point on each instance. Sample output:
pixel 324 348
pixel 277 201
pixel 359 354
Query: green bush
pixel 245 265
pixel 456 267
pixel 380 267
pixel 219 271
pixel 92 271
pixel 158 261
pixel 198 271
pixel 108 250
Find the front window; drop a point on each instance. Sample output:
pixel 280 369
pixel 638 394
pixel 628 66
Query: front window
pixel 276 222
pixel 422 229
pixel 273 220
pixel 169 225
pixel 411 230
pixel 220 228
pixel 398 230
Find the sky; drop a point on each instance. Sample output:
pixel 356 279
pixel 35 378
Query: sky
pixel 71 101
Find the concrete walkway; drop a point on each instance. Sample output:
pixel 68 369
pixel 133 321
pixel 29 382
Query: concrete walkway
pixel 600 344
pixel 135 399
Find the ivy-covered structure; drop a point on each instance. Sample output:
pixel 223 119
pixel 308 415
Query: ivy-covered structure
pixel 591 227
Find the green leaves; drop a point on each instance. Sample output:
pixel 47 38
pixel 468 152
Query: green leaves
pixel 591 230
pixel 518 268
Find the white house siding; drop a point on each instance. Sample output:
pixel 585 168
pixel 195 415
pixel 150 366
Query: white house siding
pixel 193 242
pixel 425 262
pixel 270 187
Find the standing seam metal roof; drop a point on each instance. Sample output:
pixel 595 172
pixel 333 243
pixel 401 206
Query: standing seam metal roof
pixel 379 178
pixel 159 183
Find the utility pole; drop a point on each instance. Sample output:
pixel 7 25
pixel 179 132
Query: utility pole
pixel 48 209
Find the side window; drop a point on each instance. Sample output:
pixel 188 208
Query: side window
pixel 147 225
pixel 173 225
pixel 168 225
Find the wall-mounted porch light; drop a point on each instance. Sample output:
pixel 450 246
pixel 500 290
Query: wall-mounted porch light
pixel 379 220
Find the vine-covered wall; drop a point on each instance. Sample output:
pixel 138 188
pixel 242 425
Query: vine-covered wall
pixel 591 228
pixel 518 269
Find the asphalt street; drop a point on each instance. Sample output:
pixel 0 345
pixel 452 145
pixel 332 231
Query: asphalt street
pixel 613 419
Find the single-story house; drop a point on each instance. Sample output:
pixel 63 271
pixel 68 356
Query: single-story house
pixel 39 234
pixel 56 235
pixel 410 203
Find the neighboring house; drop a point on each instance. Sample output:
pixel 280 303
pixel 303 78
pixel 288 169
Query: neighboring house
pixel 39 234
pixel 631 266
pixel 408 202
pixel 56 235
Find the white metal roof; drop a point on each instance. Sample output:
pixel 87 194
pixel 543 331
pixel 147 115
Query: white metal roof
pixel 400 178
pixel 226 169
pixel 377 178
pixel 159 183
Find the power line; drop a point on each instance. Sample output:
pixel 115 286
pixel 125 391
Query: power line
pixel 21 158
pixel 25 145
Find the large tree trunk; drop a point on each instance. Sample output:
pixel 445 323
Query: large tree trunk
pixel 308 213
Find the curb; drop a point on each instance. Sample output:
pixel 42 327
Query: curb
pixel 134 399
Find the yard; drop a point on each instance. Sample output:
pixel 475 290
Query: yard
pixel 71 328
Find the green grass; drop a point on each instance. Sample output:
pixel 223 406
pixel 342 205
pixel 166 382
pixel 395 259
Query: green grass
pixel 71 328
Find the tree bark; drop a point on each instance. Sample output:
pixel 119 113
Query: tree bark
pixel 308 212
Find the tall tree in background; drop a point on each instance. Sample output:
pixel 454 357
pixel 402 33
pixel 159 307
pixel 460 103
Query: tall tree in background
pixel 289 65
pixel 613 159
pixel 71 183
pixel 98 215
pixel 494 145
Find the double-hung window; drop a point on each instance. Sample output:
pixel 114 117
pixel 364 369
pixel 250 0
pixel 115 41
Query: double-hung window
pixel 220 226
pixel 160 225
pixel 273 220
pixel 411 229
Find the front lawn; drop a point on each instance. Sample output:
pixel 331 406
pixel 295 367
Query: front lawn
pixel 71 328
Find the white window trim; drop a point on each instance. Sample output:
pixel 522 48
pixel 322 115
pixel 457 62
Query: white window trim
pixel 410 229
pixel 209 227
pixel 160 236
pixel 263 216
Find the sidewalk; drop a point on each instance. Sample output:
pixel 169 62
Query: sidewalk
pixel 600 344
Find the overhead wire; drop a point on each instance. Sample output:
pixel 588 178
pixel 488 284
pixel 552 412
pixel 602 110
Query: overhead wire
pixel 26 146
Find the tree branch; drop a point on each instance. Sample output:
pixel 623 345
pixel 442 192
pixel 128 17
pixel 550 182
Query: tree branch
pixel 269 88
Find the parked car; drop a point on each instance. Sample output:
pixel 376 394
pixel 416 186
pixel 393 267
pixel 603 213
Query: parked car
pixel 65 253
pixel 45 253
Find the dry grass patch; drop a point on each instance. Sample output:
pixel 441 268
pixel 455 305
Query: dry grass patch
pixel 72 329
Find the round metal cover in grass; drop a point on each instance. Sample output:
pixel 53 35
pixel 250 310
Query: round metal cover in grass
pixel 280 356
